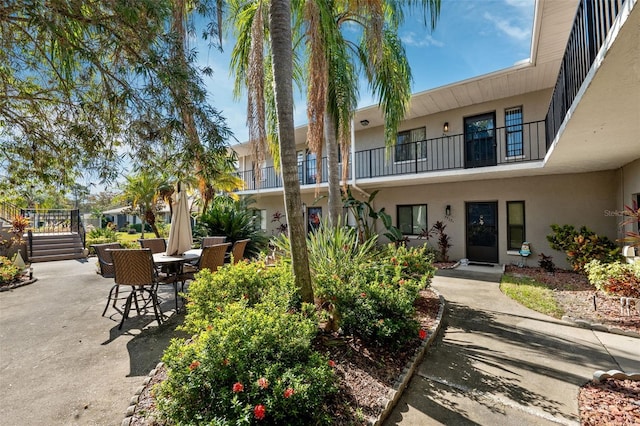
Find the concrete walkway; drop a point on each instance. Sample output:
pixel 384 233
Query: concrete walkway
pixel 61 362
pixel 498 363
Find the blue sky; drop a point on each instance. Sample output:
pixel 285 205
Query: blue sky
pixel 472 37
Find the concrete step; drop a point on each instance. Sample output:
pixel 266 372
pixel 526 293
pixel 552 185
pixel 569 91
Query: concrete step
pixel 54 257
pixel 51 247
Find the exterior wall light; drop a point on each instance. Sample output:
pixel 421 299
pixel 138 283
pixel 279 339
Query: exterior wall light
pixel 364 123
pixel 447 210
pixel 445 127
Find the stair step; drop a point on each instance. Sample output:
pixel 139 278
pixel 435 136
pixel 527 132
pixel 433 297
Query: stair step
pixel 51 247
pixel 54 257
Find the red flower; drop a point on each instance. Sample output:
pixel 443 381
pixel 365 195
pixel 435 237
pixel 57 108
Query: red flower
pixel 422 334
pixel 332 363
pixel 194 365
pixel 401 282
pixel 363 294
pixel 238 387
pixel 225 362
pixel 263 383
pixel 393 260
pixel 259 411
pixel 288 392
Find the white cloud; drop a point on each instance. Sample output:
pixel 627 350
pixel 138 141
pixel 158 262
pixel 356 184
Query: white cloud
pixel 504 25
pixel 412 39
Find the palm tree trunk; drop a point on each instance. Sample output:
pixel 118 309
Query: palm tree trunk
pixel 331 140
pixel 280 17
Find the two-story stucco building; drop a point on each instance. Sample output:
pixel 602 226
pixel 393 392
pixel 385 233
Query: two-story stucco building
pixel 501 157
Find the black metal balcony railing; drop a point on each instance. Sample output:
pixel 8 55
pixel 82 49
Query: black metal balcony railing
pixel 593 21
pixel 591 26
pixel 492 147
pixel 53 221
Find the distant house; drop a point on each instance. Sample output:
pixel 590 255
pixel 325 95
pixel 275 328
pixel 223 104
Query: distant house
pixel 121 219
pixel 500 157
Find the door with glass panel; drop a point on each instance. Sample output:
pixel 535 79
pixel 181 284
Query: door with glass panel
pixel 482 231
pixel 480 140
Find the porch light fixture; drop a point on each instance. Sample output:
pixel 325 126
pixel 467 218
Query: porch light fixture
pixel 445 127
pixel 447 210
pixel 364 123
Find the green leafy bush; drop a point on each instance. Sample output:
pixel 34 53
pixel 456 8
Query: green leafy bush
pixel 252 365
pixel 8 270
pixel 617 278
pixel 101 236
pixel 376 302
pixel 237 221
pixel 338 250
pixel 582 246
pixel 252 282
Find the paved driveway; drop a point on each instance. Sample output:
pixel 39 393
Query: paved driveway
pixel 61 362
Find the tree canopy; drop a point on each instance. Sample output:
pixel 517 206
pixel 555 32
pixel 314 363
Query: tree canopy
pixel 85 83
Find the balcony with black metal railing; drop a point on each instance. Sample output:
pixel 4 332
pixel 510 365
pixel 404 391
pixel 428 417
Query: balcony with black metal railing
pixel 491 147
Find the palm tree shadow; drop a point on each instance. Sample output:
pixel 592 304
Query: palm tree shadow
pixel 457 369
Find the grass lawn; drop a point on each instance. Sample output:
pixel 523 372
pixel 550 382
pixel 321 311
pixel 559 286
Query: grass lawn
pixel 532 294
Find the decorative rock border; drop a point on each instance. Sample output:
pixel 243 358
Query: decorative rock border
pixel 600 375
pixel 599 327
pixel 401 383
pixel 133 404
pixel 18 284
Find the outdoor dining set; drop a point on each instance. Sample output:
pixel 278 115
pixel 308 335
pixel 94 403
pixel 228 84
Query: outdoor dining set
pixel 142 271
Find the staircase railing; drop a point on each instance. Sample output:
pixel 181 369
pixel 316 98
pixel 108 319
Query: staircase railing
pixel 8 211
pixel 53 221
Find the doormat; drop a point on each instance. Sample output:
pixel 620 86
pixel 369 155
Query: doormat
pixel 481 264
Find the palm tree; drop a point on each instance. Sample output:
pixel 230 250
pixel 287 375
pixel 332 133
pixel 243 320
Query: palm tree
pixel 332 69
pixel 142 193
pixel 332 74
pixel 280 35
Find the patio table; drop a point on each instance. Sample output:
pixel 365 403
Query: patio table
pixel 172 264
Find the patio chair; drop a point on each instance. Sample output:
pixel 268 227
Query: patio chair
pixel 237 251
pixel 157 245
pixel 135 269
pixel 212 258
pixel 104 258
pixel 210 241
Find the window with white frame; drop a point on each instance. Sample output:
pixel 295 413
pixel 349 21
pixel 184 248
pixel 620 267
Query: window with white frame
pixel 513 129
pixel 411 144
pixel 412 219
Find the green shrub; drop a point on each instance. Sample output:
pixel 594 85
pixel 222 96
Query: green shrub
pixel 8 270
pixel 252 282
pixel 617 278
pixel 376 302
pixel 582 246
pixel 250 366
pixel 237 221
pixel 338 251
pixel 101 236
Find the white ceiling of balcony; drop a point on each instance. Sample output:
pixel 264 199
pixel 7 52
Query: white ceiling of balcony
pixel 603 130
